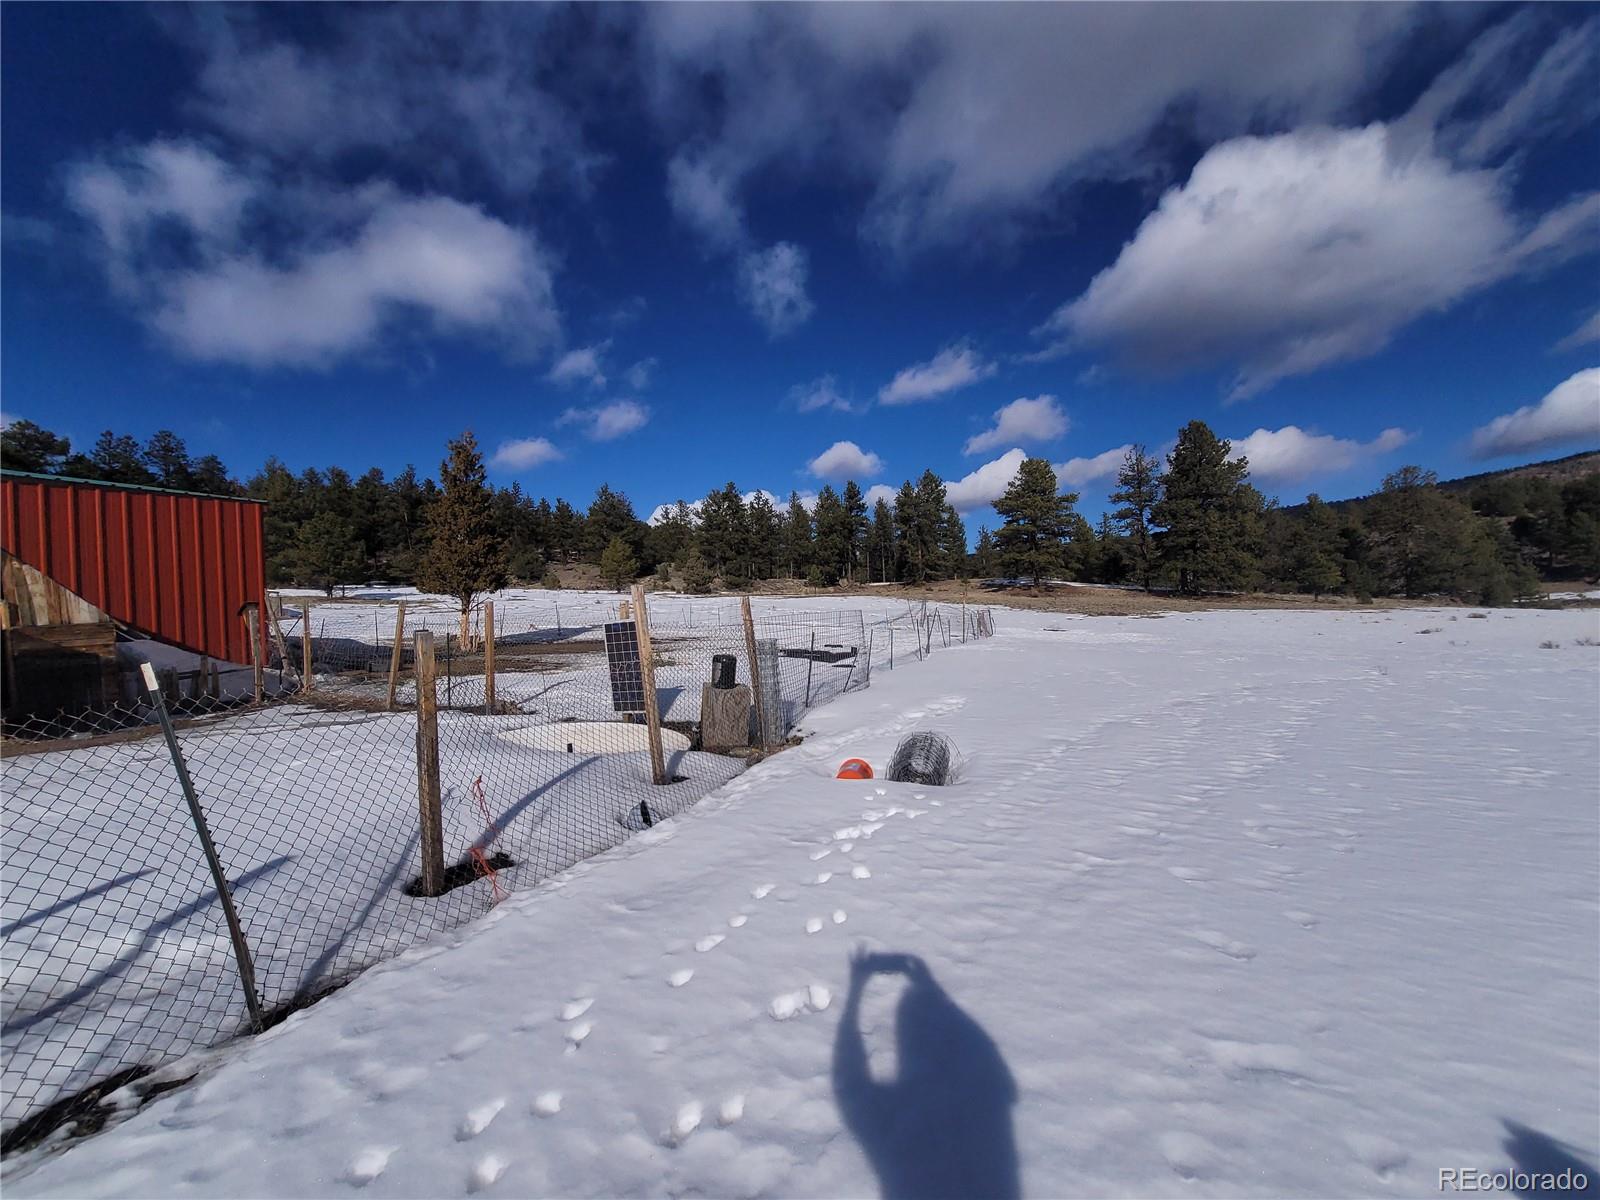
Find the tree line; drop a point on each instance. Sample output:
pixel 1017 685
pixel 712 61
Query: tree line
pixel 1191 522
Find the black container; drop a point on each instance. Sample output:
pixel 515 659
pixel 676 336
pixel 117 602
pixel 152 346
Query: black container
pixel 724 668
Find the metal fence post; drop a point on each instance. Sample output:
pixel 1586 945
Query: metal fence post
pixel 811 662
pixel 241 948
pixel 429 803
pixel 488 657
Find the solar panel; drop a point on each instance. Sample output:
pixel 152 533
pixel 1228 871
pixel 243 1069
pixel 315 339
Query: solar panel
pixel 622 660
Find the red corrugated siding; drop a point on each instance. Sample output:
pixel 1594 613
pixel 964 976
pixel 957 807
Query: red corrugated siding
pixel 175 566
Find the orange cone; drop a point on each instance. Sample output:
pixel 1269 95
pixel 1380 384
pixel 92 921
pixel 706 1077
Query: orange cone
pixel 854 768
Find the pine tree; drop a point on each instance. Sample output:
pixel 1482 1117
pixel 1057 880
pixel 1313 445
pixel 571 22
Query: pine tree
pixel 618 567
pixel 119 460
pixel 1037 518
pixel 855 511
pixel 880 542
pixel 1315 549
pixel 761 531
pixel 1112 554
pixel 797 538
pixel 985 560
pixel 326 552
pixel 1083 549
pixel 1211 515
pixel 953 544
pixel 566 532
pixel 1422 540
pixel 611 516
pixel 928 522
pixel 211 477
pixel 463 558
pixel 168 460
pixel 25 446
pixel 723 536
pixel 697 577
pixel 1138 492
pixel 831 549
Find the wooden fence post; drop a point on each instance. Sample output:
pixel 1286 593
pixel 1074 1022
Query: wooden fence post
pixel 252 623
pixel 755 671
pixel 307 680
pixel 488 657
pixel 395 652
pixel 431 850
pixel 647 675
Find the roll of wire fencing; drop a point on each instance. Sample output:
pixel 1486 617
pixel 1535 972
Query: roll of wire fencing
pixel 926 758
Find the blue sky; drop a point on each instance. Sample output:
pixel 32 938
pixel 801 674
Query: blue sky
pixel 665 246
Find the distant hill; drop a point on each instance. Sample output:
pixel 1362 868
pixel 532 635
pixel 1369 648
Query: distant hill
pixel 1585 462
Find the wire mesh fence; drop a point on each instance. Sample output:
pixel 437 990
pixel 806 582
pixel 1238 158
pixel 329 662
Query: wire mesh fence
pixel 319 799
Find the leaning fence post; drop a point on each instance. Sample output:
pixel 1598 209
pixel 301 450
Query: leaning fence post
pixel 252 624
pixel 488 657
pixel 755 671
pixel 395 652
pixel 241 948
pixel 429 804
pixel 811 662
pixel 307 681
pixel 647 676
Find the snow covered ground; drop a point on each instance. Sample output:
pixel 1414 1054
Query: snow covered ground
pixel 1225 904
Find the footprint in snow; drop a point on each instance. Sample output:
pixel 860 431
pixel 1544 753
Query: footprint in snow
pixel 684 1122
pixel 731 1110
pixel 680 977
pixel 1223 944
pixel 577 1033
pixel 762 892
pixel 468 1044
pixel 547 1104
pixel 738 919
pixel 1303 919
pixel 814 998
pixel 819 855
pixel 368 1165
pixel 573 1009
pixel 813 924
pixel 859 871
pixel 487 1173
pixel 822 877
pixel 476 1121
pixel 709 942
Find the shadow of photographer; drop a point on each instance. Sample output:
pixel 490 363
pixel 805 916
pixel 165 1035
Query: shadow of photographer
pixel 942 1126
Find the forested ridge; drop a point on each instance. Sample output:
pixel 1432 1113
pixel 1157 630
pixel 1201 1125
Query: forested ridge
pixel 1192 522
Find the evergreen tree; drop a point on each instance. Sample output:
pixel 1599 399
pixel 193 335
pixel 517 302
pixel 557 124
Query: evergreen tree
pixel 1314 549
pixel 671 537
pixel 618 567
pixel 119 460
pixel 761 531
pixel 1211 515
pixel 953 544
pixel 928 526
pixel 855 511
pixel 611 516
pixel 463 559
pixel 566 532
pixel 985 560
pixel 1418 534
pixel 831 549
pixel 1036 522
pixel 25 446
pixel 326 552
pixel 211 477
pixel 797 538
pixel 1112 553
pixel 880 543
pixel 697 576
pixel 1083 550
pixel 1138 492
pixel 723 537
pixel 167 459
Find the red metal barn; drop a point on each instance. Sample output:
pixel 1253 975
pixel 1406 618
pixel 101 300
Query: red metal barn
pixel 82 559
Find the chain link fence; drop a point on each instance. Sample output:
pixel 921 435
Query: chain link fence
pixel 115 952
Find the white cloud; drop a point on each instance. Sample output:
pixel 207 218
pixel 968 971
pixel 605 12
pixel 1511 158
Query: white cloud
pixel 962 125
pixel 1285 254
pixel 1583 335
pixel 582 364
pixel 773 284
pixel 1570 413
pixel 818 394
pixel 881 491
pixel 172 225
pixel 523 454
pixel 845 460
pixel 703 200
pixel 1291 453
pixel 1038 419
pixel 640 374
pixel 951 369
pixel 987 483
pixel 605 422
pixel 1076 472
